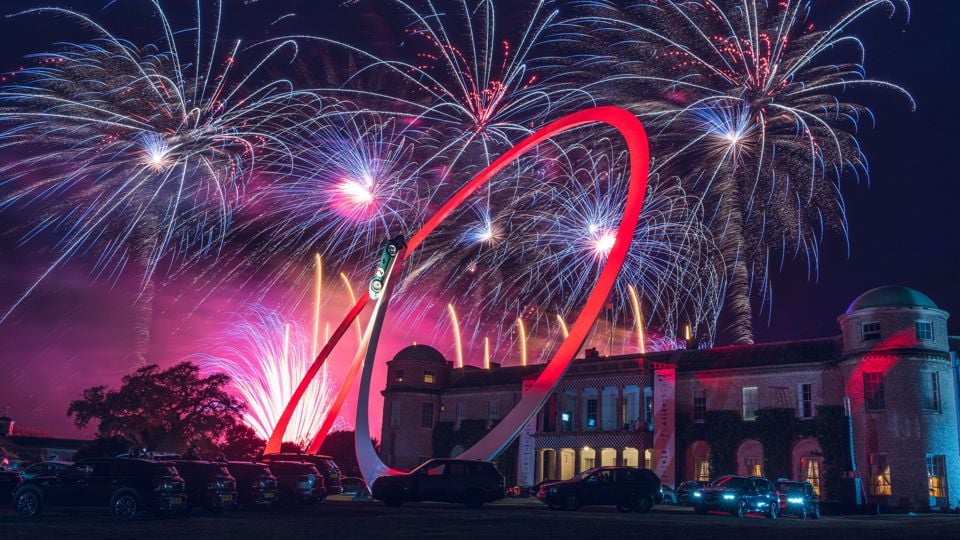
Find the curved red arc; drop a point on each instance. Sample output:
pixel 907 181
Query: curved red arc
pixel 632 131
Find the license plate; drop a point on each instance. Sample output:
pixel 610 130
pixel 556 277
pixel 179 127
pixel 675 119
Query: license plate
pixel 227 498
pixel 176 500
pixel 269 495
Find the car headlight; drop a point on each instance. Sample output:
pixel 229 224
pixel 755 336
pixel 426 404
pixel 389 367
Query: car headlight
pixel 728 497
pixel 697 494
pixel 795 500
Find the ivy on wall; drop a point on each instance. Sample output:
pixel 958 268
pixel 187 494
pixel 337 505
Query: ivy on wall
pixel 777 430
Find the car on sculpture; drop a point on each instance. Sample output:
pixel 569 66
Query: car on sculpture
pixel 256 485
pixel 386 257
pixel 798 499
pixel 626 488
pixel 738 496
pixel 297 482
pixel 209 485
pixel 467 482
pixel 325 464
pixel 125 487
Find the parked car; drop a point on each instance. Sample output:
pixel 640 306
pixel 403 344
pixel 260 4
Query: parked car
pixel 471 483
pixel 44 468
pixel 354 486
pixel 9 480
pixel 627 488
pixel 298 482
pixel 667 495
pixel 125 486
pixel 685 492
pixel 256 485
pixel 739 496
pixel 798 499
pixel 209 484
pixel 325 464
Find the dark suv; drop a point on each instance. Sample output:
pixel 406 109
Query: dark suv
pixel 256 485
pixel 686 490
pixel 125 486
pixel 325 464
pixel 209 484
pixel 446 480
pixel 298 482
pixel 627 488
pixel 798 499
pixel 739 496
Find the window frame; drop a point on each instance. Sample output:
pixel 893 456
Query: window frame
pixel 874 401
pixel 934 387
pixel 929 330
pixel 870 334
pixel 880 475
pixel 752 417
pixel 699 405
pixel 398 375
pixel 804 401
pixel 424 407
pixel 429 376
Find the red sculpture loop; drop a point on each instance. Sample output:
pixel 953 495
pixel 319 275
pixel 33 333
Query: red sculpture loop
pixel 497 439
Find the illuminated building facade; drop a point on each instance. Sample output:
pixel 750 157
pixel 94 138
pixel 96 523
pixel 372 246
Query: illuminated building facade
pixel 884 389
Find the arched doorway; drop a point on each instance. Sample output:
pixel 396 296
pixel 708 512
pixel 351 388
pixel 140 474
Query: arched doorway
pixel 806 459
pixel 750 458
pixel 697 463
pixel 631 457
pixel 588 458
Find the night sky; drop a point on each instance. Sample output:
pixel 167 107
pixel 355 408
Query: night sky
pixel 75 334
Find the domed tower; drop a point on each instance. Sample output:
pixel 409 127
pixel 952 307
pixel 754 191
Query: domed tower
pixel 898 378
pixel 416 378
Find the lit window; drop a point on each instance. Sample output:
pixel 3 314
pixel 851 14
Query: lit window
pixel 426 415
pixel 648 459
pixel 811 469
pixel 805 400
pixel 929 391
pixel 870 331
pixel 591 414
pixel 699 405
pixel 753 466
pixel 880 475
pixel 750 403
pixel 398 375
pixel 873 398
pixel 924 330
pixel 937 478
pixel 429 377
pixel 703 470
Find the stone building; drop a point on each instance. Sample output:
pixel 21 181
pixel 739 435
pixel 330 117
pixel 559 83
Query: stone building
pixel 868 415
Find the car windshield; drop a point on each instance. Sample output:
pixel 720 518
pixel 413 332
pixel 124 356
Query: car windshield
pixel 729 482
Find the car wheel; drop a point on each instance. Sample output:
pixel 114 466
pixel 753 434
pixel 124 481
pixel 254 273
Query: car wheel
pixel 643 504
pixel 125 506
pixel 571 503
pixel 740 510
pixel 473 499
pixel 391 250
pixel 700 510
pixel 27 503
pixel 774 511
